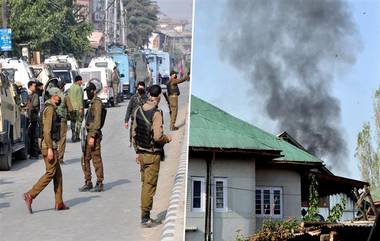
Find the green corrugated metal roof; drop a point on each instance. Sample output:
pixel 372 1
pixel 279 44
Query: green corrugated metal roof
pixel 211 127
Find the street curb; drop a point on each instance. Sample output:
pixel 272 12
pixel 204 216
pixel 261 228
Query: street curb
pixel 174 219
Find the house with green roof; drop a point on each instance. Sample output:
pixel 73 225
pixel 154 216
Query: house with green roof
pixel 240 175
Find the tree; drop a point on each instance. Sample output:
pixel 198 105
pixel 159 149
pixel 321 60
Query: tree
pixel 49 26
pixel 369 157
pixel 141 21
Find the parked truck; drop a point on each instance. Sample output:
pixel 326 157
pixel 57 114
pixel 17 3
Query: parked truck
pixel 13 129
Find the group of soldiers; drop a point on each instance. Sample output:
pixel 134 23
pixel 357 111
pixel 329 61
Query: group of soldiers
pixel 146 132
pixel 49 109
pixel 148 138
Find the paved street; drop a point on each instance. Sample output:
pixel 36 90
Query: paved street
pixel 110 215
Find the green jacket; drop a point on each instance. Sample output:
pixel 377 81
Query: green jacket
pixel 65 106
pixel 76 97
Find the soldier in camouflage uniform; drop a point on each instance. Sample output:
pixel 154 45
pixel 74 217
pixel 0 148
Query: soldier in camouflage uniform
pixel 75 94
pixel 63 108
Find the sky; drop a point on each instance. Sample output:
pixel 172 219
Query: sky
pixel 215 81
pixel 178 9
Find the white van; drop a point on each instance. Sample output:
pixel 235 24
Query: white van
pixel 102 62
pixel 18 70
pixel 102 74
pixel 106 62
pixel 65 67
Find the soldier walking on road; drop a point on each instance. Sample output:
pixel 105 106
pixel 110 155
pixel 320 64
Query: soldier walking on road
pixel 50 140
pixel 149 141
pixel 136 100
pixel 33 109
pixel 173 92
pixel 62 111
pixel 115 85
pixel 94 122
pixel 75 94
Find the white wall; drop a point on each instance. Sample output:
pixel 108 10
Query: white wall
pixel 290 182
pixel 240 215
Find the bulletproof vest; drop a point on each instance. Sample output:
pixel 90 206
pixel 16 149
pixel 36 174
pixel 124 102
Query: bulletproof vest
pixel 172 90
pixel 90 116
pixel 56 126
pixel 144 131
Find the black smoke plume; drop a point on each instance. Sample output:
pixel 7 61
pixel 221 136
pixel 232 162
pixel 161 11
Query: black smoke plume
pixel 288 50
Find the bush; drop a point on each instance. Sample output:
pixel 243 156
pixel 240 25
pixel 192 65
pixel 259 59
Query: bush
pixel 276 230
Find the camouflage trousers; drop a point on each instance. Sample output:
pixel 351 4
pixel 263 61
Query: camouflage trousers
pixel 76 124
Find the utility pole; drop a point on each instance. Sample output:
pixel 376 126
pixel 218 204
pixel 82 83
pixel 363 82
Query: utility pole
pixel 114 21
pixel 4 11
pixel 106 25
pixel 122 23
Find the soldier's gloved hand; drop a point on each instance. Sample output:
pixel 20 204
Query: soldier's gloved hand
pixel 50 154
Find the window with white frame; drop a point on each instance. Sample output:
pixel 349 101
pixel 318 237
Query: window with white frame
pixel 269 201
pixel 198 194
pixel 220 194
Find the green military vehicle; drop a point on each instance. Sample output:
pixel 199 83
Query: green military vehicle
pixel 13 129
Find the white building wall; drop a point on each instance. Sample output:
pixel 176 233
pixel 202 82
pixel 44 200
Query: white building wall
pixel 240 214
pixel 290 182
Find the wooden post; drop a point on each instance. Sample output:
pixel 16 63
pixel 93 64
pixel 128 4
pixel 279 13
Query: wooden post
pixel 370 200
pixel 333 235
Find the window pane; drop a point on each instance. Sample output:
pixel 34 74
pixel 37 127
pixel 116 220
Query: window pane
pixel 266 202
pixel 196 194
pixel 277 202
pixel 258 201
pixel 196 202
pixel 219 194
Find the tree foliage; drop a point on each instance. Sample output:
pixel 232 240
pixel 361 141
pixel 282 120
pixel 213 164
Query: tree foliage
pixel 141 21
pixel 50 26
pixel 367 155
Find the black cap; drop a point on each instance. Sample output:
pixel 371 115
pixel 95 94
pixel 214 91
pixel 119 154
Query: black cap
pixel 90 87
pixel 173 72
pixel 155 90
pixel 78 78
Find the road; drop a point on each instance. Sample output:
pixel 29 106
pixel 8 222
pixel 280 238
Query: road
pixel 110 215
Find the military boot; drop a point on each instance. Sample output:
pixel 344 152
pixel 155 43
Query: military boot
pixel 146 221
pixel 98 187
pixel 86 187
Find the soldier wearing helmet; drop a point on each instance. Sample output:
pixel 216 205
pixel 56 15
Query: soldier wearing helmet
pixel 94 120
